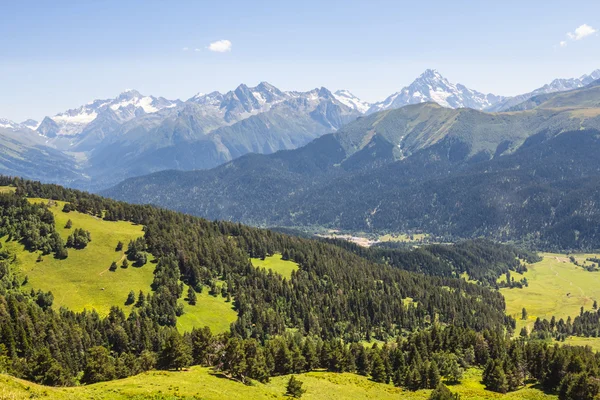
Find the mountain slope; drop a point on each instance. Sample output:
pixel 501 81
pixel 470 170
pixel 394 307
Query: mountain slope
pixel 587 97
pixel 181 142
pixel 24 153
pixel 359 177
pixel 557 85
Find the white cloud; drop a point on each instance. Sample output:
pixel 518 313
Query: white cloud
pixel 185 49
pixel 197 49
pixel 220 46
pixel 581 32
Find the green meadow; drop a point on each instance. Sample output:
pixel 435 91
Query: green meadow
pixel 276 264
pixel 202 383
pixel 557 287
pixel 209 310
pixel 83 280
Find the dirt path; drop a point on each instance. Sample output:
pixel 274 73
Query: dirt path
pixel 118 262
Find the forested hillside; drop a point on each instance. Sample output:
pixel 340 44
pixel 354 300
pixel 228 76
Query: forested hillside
pixel 435 325
pixel 542 194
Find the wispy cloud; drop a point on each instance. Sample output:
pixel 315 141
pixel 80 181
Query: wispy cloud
pixel 579 33
pixel 220 46
pixel 197 49
pixel 185 49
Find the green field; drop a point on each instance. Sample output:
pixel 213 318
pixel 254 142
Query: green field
pixel 556 287
pixel 200 383
pixel 276 264
pixel 83 280
pixel 210 311
pixel 7 189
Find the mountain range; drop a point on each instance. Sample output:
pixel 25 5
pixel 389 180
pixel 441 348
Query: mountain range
pixel 98 144
pixel 528 175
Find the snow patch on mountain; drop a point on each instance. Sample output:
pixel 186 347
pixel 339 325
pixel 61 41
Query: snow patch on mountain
pixel 126 106
pixel 350 100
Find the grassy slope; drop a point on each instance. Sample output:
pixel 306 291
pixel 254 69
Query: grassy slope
pixel 83 280
pixel 210 311
pixel 276 264
pixel 549 283
pixel 198 382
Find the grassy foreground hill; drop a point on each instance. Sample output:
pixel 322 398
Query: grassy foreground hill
pixel 201 383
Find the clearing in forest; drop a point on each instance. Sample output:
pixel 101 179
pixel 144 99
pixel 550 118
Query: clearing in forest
pixel 557 287
pixel 276 264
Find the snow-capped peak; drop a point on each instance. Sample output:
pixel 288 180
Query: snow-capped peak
pixel 15 126
pixel 431 86
pixel 350 100
pixel 125 106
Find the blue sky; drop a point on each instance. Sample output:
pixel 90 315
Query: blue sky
pixel 56 55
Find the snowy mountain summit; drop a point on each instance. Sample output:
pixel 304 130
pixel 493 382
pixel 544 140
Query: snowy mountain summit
pixel 431 86
pixel 124 107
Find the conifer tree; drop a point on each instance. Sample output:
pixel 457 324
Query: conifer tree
pixel 191 296
pixel 176 353
pixel 294 387
pixel 378 372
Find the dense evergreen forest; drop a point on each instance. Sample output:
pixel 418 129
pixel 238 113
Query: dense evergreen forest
pixel 434 325
pixel 544 194
pixel 482 260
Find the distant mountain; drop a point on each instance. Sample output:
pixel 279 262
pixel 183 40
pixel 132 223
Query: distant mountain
pixel 583 98
pixel 430 86
pixel 209 130
pixel 24 153
pixel 124 107
pixel 133 134
pixel 14 126
pixel 557 85
pixel 418 167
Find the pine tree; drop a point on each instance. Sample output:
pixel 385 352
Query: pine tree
pixel 191 296
pixel 310 355
pixel 119 246
pixel 125 263
pixel 69 224
pixel 378 372
pixel 176 353
pixel 294 388
pixel 130 297
pixel 496 381
pixel 442 392
pixel 141 299
pixel 113 266
pixel 433 375
pixel 523 314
